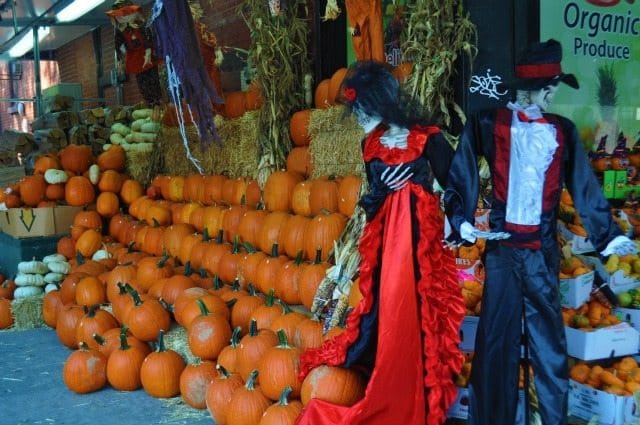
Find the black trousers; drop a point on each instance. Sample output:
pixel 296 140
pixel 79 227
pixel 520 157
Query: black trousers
pixel 519 280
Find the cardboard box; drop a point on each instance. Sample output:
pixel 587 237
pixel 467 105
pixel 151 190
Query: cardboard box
pixel 35 222
pixel 579 244
pixel 630 315
pixel 460 408
pixel 613 341
pixel 475 269
pixel 617 281
pixel 468 331
pixel 586 402
pixel 576 291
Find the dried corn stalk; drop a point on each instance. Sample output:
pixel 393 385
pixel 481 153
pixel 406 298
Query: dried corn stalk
pixel 437 32
pixel 337 282
pixel 279 52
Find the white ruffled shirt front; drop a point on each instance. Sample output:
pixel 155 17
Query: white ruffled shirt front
pixel 533 145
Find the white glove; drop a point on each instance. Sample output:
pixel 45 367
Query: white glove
pixel 395 179
pixel 620 245
pixel 467 232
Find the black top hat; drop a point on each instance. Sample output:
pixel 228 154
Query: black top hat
pixel 539 67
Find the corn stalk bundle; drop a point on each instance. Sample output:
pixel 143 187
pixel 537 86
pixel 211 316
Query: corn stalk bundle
pixel 279 53
pixel 437 31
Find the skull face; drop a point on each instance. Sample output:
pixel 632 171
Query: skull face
pixel 366 121
pixel 544 96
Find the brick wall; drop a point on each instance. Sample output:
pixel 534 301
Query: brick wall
pixel 24 88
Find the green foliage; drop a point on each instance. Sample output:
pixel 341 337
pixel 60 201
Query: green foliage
pixel 607 86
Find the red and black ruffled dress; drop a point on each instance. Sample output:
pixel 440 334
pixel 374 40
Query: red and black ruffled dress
pixel 405 329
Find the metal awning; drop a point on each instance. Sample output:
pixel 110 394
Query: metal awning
pixel 21 16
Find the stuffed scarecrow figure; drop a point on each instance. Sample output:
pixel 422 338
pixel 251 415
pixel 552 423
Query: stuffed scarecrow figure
pixel 134 49
pixel 532 155
pixel 367 33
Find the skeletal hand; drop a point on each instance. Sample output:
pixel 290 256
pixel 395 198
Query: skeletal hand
pixel 397 177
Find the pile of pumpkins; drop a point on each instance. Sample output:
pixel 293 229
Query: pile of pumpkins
pixel 622 378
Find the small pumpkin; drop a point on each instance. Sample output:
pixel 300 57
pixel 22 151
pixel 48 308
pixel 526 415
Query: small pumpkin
pixel 85 370
pixel 279 368
pixel 335 385
pixel 124 364
pixel 220 392
pixel 194 380
pixel 248 403
pixel 160 371
pixel 284 412
pixel 79 191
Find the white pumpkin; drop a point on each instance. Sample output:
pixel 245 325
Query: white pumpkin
pixel 29 279
pixel 53 277
pixel 54 257
pixel 62 267
pixel 37 267
pixel 55 176
pixel 27 291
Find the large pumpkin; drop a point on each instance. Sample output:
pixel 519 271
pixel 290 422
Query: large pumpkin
pixel 279 188
pixel 321 97
pixel 334 85
pixel 79 191
pixel 32 189
pixel 335 385
pixel 76 158
pixel 113 158
pixel 299 127
pixel 299 160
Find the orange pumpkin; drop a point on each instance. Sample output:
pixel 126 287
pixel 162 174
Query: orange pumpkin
pixel 79 191
pixel 46 162
pixel 335 84
pixel 279 188
pixel 32 189
pixel 107 204
pixel 321 96
pixel 335 385
pixel 76 158
pixel 299 127
pixel 234 104
pixel 113 158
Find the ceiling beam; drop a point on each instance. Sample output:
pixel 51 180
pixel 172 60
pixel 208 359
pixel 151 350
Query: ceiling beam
pixel 51 22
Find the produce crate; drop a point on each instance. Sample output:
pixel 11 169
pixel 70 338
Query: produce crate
pixel 37 222
pixel 611 341
pixel 586 402
pixel 576 291
pixel 13 250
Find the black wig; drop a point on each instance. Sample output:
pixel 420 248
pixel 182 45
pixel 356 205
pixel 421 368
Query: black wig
pixel 371 87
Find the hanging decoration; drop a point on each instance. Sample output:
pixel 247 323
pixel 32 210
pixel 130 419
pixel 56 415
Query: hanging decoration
pixel 437 32
pixel 187 76
pixel 279 38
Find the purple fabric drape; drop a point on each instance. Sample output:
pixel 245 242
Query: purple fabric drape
pixel 177 44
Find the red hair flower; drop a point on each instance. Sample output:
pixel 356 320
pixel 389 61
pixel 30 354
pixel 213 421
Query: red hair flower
pixel 350 94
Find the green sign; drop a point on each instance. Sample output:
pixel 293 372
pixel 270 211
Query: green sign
pixel 601 46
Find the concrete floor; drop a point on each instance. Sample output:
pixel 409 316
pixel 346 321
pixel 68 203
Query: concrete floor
pixel 32 391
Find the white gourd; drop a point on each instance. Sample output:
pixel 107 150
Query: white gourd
pixel 94 174
pixel 100 254
pixel 32 266
pixel 137 124
pixel 26 292
pixel 54 257
pixel 55 176
pixel 53 277
pixel 150 127
pixel 51 287
pixel 117 139
pixel 141 113
pixel 120 129
pixel 62 267
pixel 137 137
pixel 29 279
pixel 106 146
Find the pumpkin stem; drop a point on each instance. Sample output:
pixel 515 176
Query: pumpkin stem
pixel 91 311
pixel 202 272
pixel 122 289
pixel 220 238
pixel 79 258
pixel 298 259
pixel 130 247
pixel 282 339
pixel 243 200
pixel 136 297
pixel 217 283
pixel 285 307
pixel 204 311
pixel 205 235
pixel 83 346
pixel 124 345
pixel 100 340
pixel 318 258
pixel 283 400
pixel 250 248
pixel 156 223
pixel 235 337
pixel 188 271
pixel 271 296
pixel 161 348
pixel 224 373
pixel 236 245
pixel 165 305
pixel 251 381
pixel 163 260
pixel 232 302
pixel 325 211
pixel 235 286
pixel 260 206
pixel 251 289
pixel 253 327
pixel 274 250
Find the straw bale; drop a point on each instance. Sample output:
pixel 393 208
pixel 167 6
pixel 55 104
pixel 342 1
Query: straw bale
pixel 27 313
pixel 176 340
pixel 179 411
pixel 237 157
pixel 140 166
pixel 335 143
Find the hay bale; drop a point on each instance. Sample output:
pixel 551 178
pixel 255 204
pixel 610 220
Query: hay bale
pixel 237 157
pixel 181 412
pixel 27 313
pixel 139 166
pixel 176 340
pixel 335 143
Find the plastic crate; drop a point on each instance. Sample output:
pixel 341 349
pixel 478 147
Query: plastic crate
pixel 13 250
